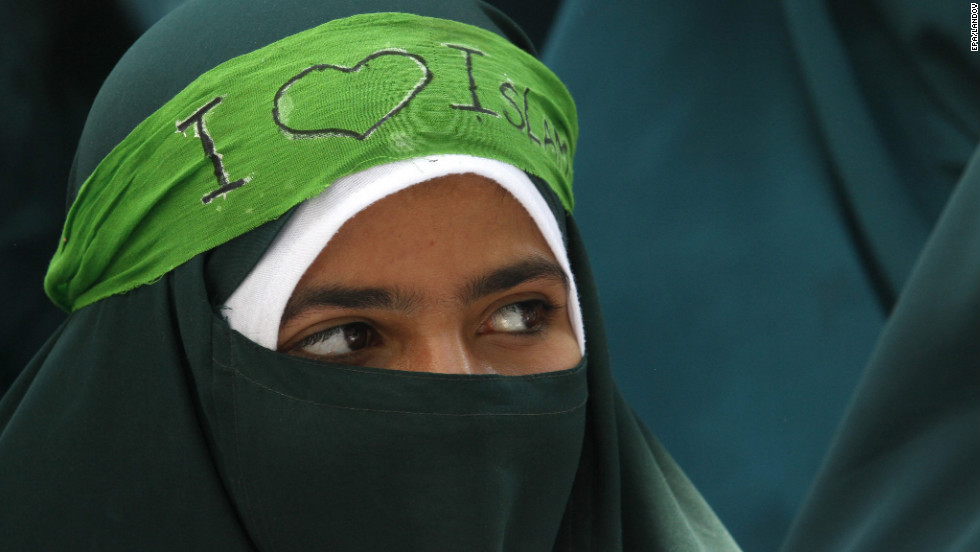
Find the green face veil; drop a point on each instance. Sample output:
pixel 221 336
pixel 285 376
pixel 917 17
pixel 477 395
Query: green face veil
pixel 145 422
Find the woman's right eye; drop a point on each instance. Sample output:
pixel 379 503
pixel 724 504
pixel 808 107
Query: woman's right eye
pixel 338 341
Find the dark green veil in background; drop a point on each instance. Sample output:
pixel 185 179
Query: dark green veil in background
pixel 779 167
pixel 902 471
pixel 146 423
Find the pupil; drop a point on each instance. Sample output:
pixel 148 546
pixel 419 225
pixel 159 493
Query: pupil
pixel 530 315
pixel 356 337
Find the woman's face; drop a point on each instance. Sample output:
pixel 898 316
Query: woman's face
pixel 449 276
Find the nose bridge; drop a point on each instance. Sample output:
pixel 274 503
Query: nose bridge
pixel 445 352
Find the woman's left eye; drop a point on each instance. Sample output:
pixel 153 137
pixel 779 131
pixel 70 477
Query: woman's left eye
pixel 525 317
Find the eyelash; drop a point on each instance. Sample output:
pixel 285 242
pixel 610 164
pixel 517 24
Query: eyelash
pixel 547 313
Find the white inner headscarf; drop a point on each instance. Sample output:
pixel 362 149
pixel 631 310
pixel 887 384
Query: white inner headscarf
pixel 255 309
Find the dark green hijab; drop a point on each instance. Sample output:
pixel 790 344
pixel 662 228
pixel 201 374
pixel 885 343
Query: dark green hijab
pixel 146 423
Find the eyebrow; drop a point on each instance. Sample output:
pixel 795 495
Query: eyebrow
pixel 501 279
pixel 349 298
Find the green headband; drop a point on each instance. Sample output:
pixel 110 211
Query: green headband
pixel 260 133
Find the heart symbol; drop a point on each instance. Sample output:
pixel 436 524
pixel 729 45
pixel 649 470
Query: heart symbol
pixel 277 111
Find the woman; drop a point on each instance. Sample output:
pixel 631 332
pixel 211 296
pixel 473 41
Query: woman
pixel 412 359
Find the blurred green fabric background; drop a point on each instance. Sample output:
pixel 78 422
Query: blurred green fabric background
pixel 755 181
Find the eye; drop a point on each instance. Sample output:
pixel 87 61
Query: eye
pixel 338 341
pixel 526 317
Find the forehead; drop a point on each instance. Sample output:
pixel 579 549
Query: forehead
pixel 440 230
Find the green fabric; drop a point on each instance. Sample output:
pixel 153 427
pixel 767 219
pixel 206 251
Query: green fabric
pixel 266 130
pixel 902 472
pixel 214 31
pixel 777 173
pixel 894 89
pixel 146 423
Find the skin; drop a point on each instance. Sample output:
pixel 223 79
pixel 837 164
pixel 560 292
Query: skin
pixel 449 276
